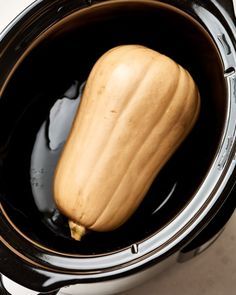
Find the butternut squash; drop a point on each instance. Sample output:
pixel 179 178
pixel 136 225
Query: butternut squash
pixel 137 107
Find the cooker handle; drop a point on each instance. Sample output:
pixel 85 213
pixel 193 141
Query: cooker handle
pixel 3 290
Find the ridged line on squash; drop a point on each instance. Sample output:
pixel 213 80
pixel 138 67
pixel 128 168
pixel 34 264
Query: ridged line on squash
pixel 88 131
pixel 132 48
pixel 194 89
pixel 146 187
pixel 127 103
pixel 96 68
pixel 159 118
pixel 141 146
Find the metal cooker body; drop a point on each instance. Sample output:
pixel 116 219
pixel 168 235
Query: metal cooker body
pixel 219 18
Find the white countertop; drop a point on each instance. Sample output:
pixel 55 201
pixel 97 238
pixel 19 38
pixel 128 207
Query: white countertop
pixel 211 273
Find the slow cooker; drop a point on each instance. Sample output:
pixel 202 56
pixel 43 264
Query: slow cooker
pixel 46 54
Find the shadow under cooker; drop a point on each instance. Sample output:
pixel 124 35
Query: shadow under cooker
pixel 67 54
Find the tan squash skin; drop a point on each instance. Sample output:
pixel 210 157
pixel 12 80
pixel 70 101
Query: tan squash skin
pixel 137 107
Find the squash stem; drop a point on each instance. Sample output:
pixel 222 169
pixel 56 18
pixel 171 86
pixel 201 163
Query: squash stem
pixel 77 231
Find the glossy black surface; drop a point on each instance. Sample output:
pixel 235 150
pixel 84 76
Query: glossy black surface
pixel 44 76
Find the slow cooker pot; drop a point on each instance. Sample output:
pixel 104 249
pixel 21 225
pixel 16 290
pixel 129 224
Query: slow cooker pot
pixel 53 45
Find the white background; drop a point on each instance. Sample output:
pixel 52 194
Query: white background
pixel 211 273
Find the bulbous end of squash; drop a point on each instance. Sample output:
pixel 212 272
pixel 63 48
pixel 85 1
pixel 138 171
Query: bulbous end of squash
pixel 77 231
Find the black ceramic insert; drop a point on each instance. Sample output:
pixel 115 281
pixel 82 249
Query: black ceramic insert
pixel 68 54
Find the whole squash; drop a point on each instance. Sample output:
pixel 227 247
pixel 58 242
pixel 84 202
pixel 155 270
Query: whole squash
pixel 137 107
